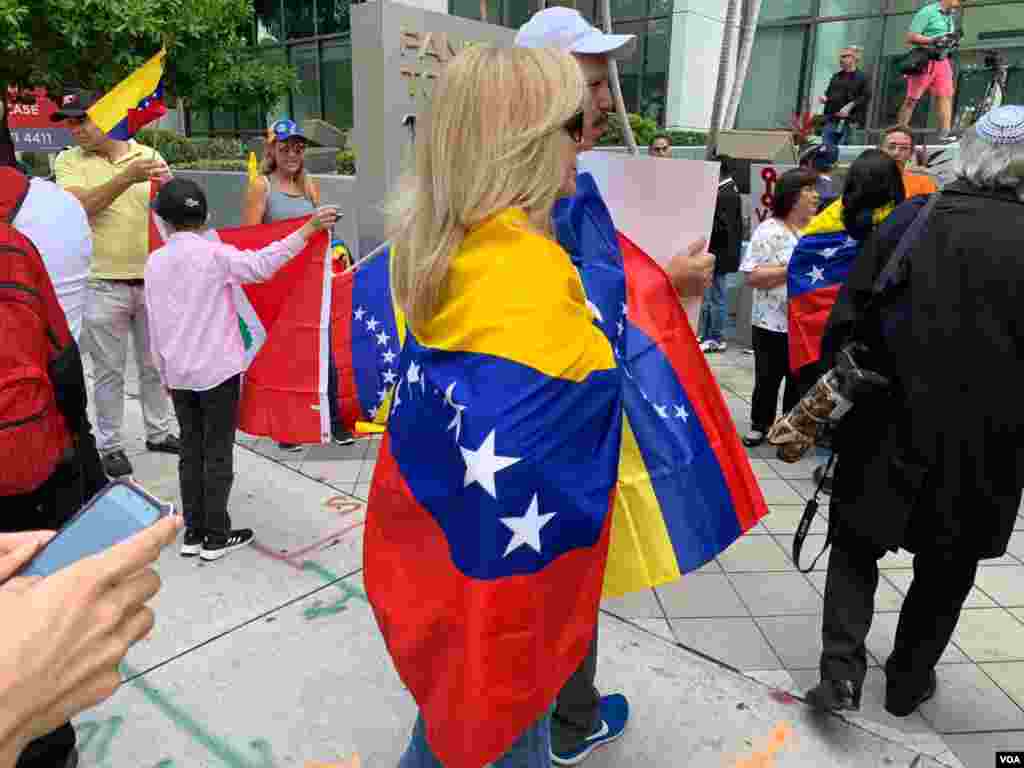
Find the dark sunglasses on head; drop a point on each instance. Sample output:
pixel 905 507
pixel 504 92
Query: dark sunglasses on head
pixel 574 126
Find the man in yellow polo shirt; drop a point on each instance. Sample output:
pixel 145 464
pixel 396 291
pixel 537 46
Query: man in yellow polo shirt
pixel 111 179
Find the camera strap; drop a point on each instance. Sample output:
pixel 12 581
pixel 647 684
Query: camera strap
pixel 810 511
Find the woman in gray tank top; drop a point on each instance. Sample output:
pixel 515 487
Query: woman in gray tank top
pixel 285 191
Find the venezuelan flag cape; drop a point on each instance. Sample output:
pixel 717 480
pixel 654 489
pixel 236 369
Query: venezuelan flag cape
pixel 367 334
pixel 819 267
pixel 488 519
pixel 134 102
pixel 686 490
pixel 284 324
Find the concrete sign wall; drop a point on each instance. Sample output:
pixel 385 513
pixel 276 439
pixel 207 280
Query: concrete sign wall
pixel 397 53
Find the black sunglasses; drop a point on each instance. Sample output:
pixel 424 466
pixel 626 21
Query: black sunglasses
pixel 574 126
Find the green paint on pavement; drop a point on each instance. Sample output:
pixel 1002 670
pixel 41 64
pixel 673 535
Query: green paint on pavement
pixel 318 609
pixel 218 747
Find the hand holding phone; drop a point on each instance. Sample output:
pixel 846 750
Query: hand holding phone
pixel 66 634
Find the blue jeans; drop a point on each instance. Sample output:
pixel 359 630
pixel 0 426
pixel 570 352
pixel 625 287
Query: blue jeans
pixel 532 750
pixel 836 132
pixel 713 311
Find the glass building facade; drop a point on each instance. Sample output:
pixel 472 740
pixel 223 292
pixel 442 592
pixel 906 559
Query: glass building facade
pixel 313 35
pixel 796 52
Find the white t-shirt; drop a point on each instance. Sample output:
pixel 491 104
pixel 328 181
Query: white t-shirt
pixel 771 245
pixel 56 222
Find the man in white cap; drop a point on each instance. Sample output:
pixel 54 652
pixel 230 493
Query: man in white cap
pixel 583 719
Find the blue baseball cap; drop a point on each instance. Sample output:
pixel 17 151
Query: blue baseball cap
pixel 287 129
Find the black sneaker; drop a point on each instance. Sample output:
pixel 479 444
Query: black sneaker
pixel 169 444
pixel 193 542
pixel 215 545
pixel 343 437
pixel 899 704
pixel 116 464
pixel 835 696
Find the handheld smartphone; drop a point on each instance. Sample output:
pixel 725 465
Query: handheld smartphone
pixel 116 513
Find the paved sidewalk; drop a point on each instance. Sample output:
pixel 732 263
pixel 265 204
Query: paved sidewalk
pixel 270 657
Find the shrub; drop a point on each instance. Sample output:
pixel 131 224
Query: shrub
pixel 345 159
pixel 346 162
pixel 644 130
pixel 177 149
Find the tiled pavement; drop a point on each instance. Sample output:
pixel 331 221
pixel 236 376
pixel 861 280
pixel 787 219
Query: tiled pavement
pixel 753 611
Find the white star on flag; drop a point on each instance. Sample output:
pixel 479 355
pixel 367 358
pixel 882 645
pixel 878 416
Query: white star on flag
pixel 389 376
pixel 625 309
pixel 816 274
pixel 358 314
pixel 620 326
pixel 457 421
pixel 595 311
pixel 681 412
pixel 526 529
pixel 482 465
pixel 381 394
pixel 662 410
pixel 372 324
pixel 397 400
pixel 388 356
pixel 382 339
pixel 414 376
pixel 828 253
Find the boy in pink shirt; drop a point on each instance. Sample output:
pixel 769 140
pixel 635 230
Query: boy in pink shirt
pixel 197 349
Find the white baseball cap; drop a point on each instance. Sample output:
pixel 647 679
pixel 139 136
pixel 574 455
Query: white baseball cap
pixel 565 28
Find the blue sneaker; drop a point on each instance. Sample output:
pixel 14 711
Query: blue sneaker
pixel 614 715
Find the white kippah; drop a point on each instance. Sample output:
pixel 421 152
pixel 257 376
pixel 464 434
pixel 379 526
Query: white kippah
pixel 1004 125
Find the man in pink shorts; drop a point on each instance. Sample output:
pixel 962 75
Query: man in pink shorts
pixel 930 24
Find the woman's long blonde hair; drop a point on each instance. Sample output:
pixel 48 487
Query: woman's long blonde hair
pixel 269 166
pixel 491 139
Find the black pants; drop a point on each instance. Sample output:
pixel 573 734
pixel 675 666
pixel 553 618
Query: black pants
pixel 578 706
pixel 48 508
pixel 771 367
pixel 206 465
pixel 929 615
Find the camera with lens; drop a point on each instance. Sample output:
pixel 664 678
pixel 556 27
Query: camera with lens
pixel 813 420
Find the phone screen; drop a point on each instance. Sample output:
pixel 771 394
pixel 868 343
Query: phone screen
pixel 116 513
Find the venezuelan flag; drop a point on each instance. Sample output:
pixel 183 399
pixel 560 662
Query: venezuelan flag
pixel 819 267
pixel 367 334
pixel 134 102
pixel 488 520
pixel 686 490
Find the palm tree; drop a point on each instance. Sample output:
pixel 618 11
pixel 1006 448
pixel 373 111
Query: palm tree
pixel 748 22
pixel 726 66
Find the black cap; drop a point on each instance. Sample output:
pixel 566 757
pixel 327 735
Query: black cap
pixel 74 104
pixel 182 203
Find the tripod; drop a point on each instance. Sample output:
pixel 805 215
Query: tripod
pixel 998 68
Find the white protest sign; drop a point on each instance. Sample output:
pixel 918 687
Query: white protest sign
pixel 661 204
pixel 762 190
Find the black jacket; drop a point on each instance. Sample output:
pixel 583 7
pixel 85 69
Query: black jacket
pixel 727 230
pixel 939 464
pixel 845 87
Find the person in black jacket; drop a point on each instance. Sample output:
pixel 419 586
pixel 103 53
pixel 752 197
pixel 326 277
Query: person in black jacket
pixel 936 465
pixel 726 238
pixel 846 98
